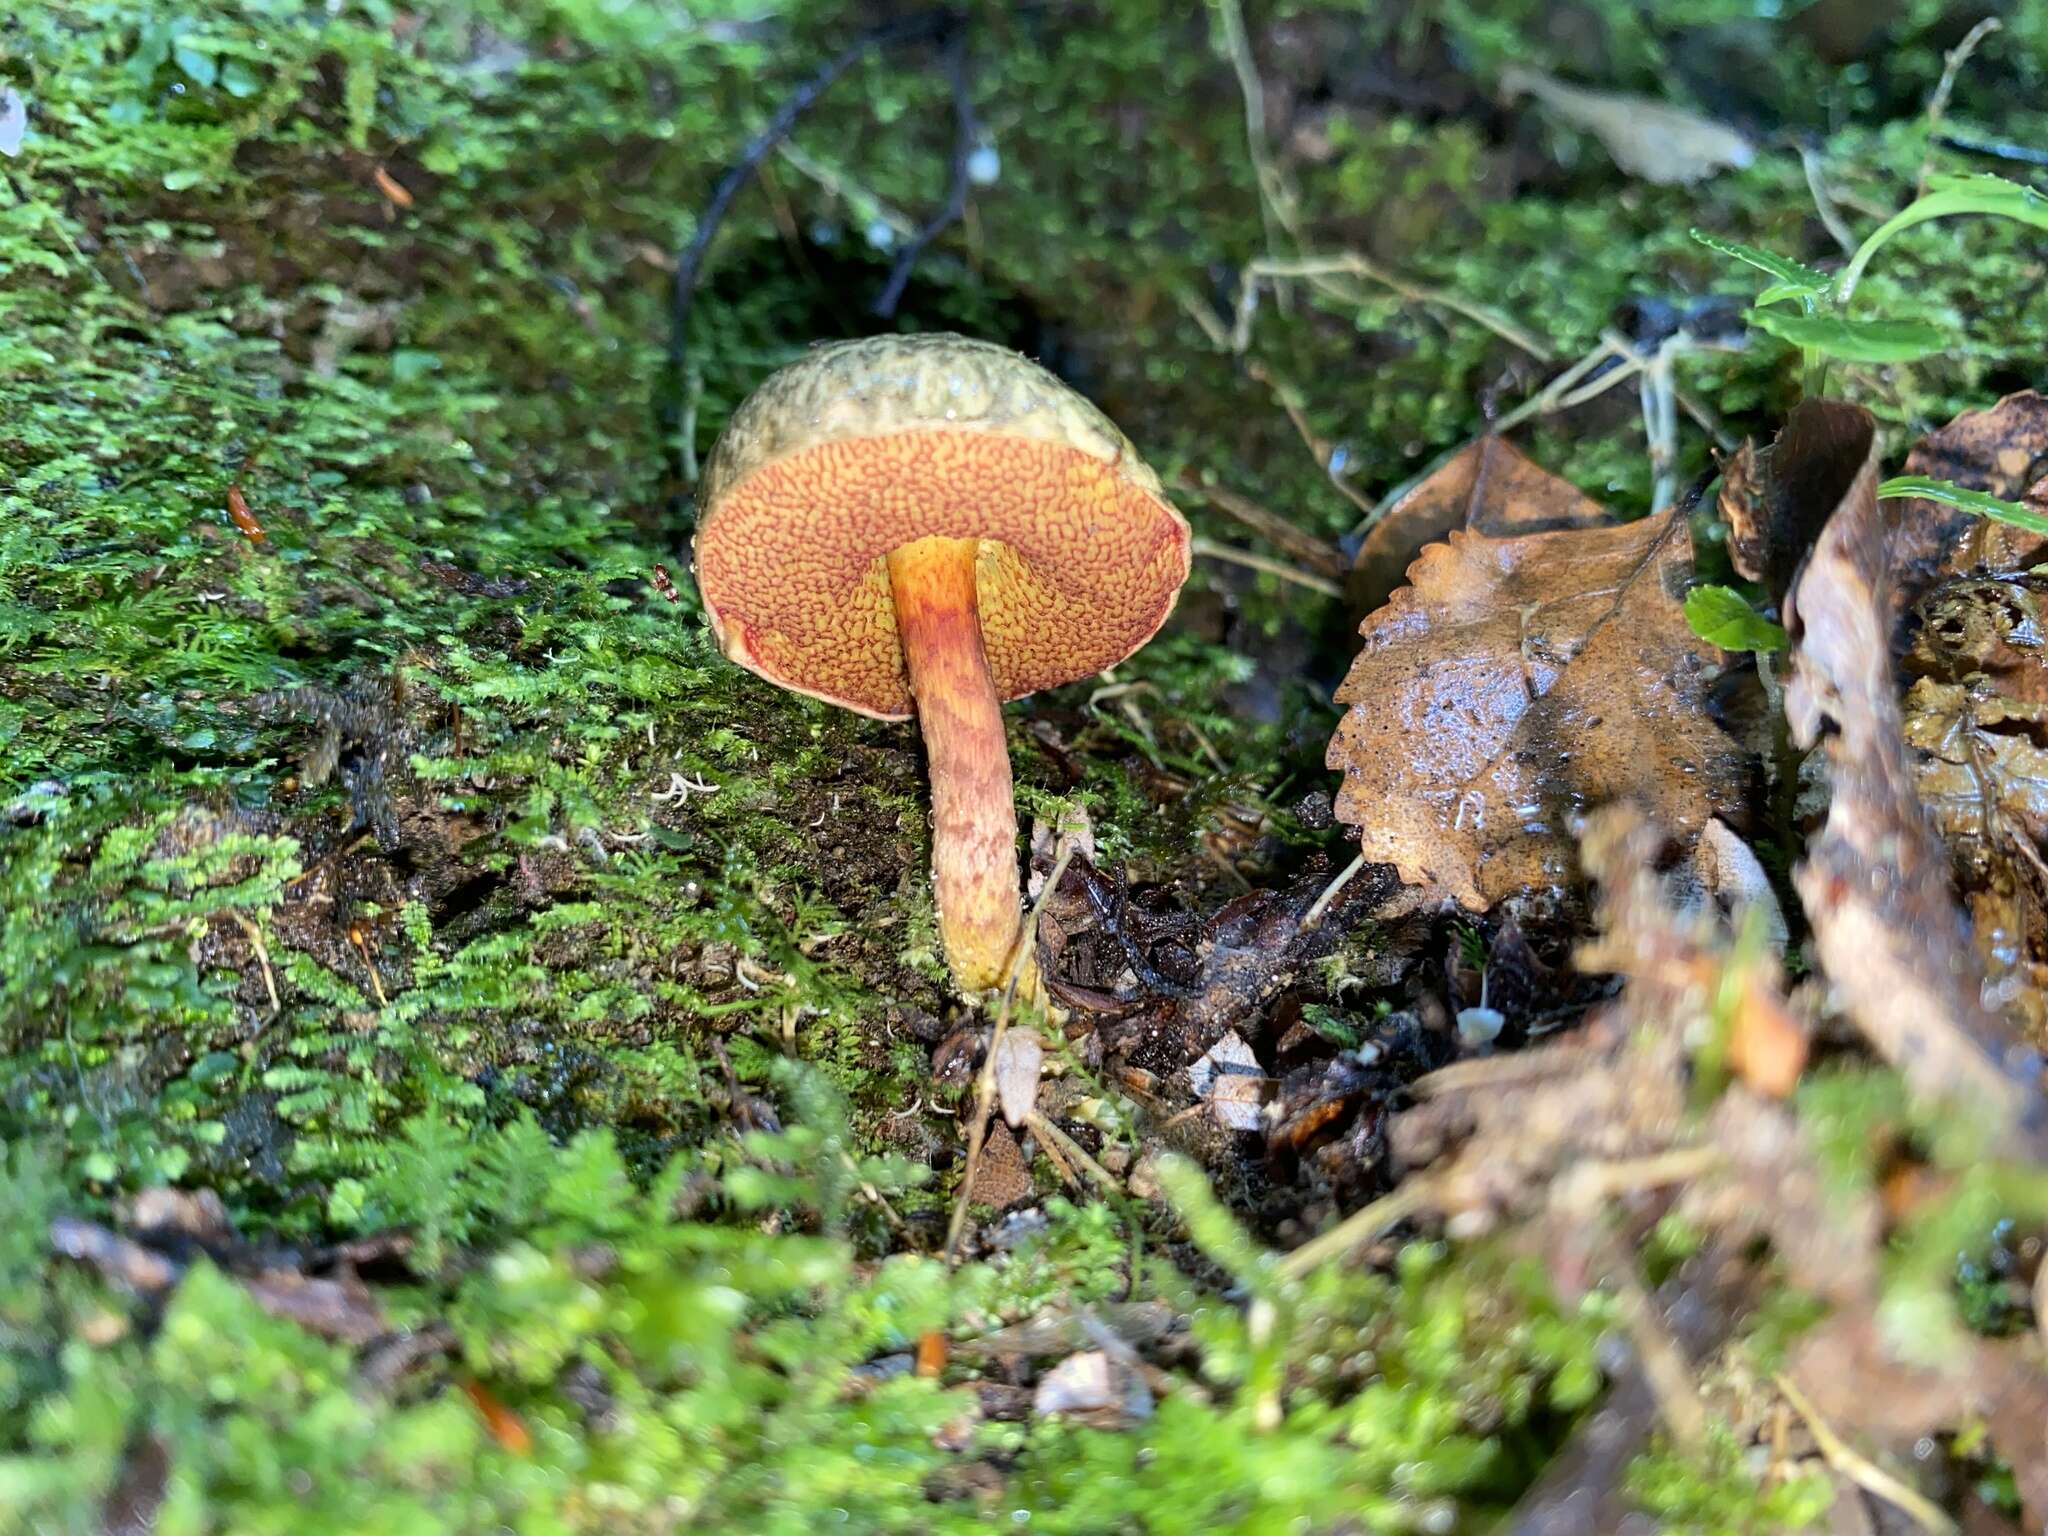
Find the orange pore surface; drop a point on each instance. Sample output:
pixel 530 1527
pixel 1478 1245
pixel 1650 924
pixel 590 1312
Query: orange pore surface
pixel 1078 568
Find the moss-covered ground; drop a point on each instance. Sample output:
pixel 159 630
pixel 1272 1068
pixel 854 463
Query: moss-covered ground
pixel 384 848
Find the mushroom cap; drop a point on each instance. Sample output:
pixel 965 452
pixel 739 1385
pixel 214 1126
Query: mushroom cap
pixel 860 447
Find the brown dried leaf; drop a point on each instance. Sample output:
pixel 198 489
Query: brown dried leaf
pixel 1491 488
pixel 1517 683
pixel 1002 1178
pixel 1875 882
pixel 2003 450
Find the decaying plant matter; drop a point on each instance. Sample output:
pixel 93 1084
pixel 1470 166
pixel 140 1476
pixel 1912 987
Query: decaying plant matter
pixel 1518 681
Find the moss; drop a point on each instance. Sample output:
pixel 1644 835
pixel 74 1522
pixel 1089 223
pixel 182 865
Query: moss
pixel 419 861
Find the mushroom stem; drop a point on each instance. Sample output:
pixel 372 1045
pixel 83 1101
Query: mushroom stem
pixel 974 814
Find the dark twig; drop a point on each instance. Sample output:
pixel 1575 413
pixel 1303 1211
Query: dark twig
pixel 926 27
pixel 2018 154
pixel 966 134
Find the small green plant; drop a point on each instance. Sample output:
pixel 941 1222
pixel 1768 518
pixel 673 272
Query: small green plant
pixel 1723 616
pixel 1819 322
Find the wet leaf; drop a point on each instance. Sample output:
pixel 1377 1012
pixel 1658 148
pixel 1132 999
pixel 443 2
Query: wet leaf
pixel 1517 683
pixel 1491 488
pixel 1853 341
pixel 1722 616
pixel 1647 138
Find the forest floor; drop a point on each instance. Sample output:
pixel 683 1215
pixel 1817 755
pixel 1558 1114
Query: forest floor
pixel 471 1058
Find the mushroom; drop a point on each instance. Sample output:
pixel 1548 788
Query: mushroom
pixel 931 524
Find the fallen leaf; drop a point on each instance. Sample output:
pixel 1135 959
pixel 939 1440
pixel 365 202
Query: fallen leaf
pixel 2003 450
pixel 1569 1126
pixel 1742 508
pixel 1002 1178
pixel 1019 1056
pixel 1517 683
pixel 1647 138
pixel 1875 880
pixel 1229 1076
pixel 1490 487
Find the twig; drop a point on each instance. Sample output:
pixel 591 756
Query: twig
pixel 1209 549
pixel 1662 1361
pixel 1323 558
pixel 966 131
pixel 1824 205
pixel 1331 891
pixel 857 197
pixel 1276 204
pixel 362 944
pixel 324 860
pixel 867 1188
pixel 925 27
pixel 1937 104
pixel 1360 1227
pixel 1321 269
pixel 2016 154
pixel 1577 384
pixel 1052 1136
pixel 1864 1473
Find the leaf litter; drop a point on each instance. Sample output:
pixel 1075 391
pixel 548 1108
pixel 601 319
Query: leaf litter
pixel 1518 681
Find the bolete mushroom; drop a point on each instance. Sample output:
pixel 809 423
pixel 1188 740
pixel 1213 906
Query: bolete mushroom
pixel 930 524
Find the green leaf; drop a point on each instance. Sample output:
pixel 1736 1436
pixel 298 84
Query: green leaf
pixel 1949 195
pixel 1795 280
pixel 1855 341
pixel 1983 503
pixel 1722 616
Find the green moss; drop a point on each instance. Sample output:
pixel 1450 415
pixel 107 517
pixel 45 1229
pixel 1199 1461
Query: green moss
pixel 422 863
